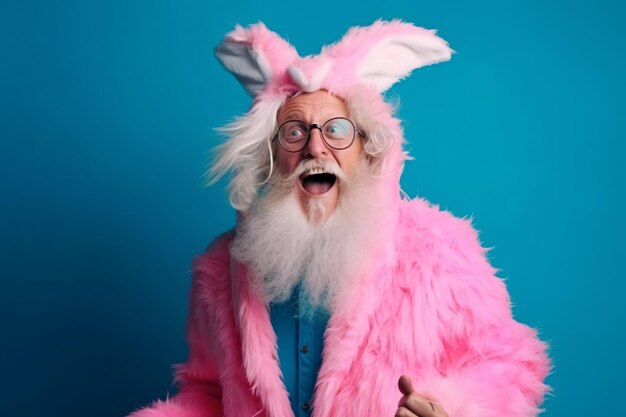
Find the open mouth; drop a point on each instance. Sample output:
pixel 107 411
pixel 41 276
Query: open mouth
pixel 317 182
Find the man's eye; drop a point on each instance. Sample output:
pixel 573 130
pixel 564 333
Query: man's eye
pixel 337 128
pixel 293 134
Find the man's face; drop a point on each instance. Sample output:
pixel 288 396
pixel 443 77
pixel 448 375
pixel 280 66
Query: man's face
pixel 317 107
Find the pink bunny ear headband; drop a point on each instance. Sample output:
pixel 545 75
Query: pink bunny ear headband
pixel 365 62
pixel 377 56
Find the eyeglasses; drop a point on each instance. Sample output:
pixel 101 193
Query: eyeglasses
pixel 338 133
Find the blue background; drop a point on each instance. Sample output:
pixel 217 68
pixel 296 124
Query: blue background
pixel 106 117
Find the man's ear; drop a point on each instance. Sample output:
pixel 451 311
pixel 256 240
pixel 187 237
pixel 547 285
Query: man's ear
pixel 255 55
pixel 386 52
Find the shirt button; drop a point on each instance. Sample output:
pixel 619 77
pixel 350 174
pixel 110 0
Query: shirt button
pixel 305 406
pixel 304 349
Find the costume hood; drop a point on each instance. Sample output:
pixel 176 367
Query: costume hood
pixel 358 68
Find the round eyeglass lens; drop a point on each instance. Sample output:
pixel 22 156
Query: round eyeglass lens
pixel 339 132
pixel 293 134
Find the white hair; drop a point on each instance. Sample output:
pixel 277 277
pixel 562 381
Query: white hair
pixel 247 150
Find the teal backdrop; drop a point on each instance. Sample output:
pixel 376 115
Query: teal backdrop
pixel 107 110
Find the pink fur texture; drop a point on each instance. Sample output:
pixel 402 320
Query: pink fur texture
pixel 429 306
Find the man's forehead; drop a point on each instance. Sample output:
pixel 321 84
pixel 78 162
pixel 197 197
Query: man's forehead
pixel 307 104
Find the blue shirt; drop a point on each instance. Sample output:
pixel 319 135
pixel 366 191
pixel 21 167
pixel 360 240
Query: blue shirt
pixel 300 342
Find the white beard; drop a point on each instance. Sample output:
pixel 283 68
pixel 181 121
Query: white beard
pixel 283 248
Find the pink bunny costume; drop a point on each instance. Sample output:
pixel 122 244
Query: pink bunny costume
pixel 428 304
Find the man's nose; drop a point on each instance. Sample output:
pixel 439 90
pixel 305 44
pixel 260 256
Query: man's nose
pixel 316 147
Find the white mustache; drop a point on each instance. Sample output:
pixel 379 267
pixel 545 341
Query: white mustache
pixel 325 165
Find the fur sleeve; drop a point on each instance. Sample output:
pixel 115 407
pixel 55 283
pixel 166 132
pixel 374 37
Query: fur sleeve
pixel 501 375
pixel 491 366
pixel 199 394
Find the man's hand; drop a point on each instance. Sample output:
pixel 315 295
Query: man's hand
pixel 414 405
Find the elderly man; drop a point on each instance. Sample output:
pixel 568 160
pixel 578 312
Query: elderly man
pixel 334 296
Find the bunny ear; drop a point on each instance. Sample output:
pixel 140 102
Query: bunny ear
pixel 386 52
pixel 255 55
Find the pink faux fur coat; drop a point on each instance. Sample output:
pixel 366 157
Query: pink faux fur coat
pixel 428 305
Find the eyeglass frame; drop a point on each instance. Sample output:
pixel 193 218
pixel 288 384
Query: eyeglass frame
pixel 310 127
